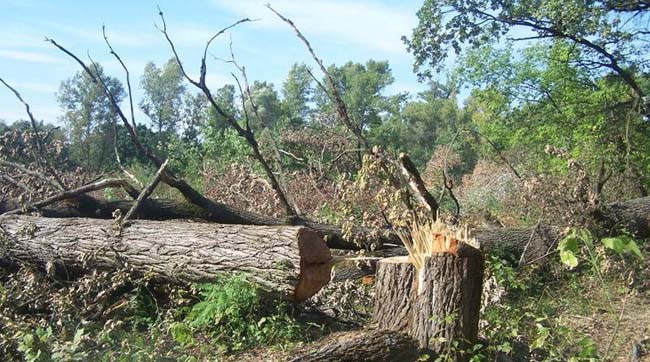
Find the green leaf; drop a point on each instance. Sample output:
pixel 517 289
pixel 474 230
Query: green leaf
pixel 615 244
pixel 570 243
pixel 569 259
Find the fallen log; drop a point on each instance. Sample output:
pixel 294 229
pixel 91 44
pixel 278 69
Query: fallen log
pixel 634 215
pixel 287 262
pixel 363 346
pixel 159 209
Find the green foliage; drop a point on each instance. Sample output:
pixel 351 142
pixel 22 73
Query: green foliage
pixel 361 87
pixel 569 247
pixel 606 33
pixel 89 117
pixel 163 91
pixel 528 312
pixel 233 313
pixel 36 346
pixel 297 91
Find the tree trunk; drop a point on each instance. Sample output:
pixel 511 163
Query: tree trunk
pixel 363 346
pixel 394 292
pixel 447 302
pixel 288 262
pixel 533 243
pixel 634 215
pixel 157 209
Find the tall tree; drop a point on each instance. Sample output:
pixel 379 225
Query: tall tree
pixel 263 107
pixel 89 116
pixel 297 92
pixel 612 35
pixel 163 96
pixel 362 87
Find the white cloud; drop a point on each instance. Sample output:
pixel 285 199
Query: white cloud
pixel 32 57
pixel 364 23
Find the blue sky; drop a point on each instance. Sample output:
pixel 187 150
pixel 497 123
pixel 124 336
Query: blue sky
pixel 339 31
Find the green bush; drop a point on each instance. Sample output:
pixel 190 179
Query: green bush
pixel 232 312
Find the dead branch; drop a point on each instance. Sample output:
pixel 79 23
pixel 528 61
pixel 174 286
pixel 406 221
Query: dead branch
pixel 10 180
pixel 29 172
pixel 340 105
pixel 69 194
pixel 417 185
pixel 146 192
pixel 247 133
pixel 37 136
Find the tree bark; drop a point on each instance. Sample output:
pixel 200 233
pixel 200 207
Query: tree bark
pixel 158 209
pixel 534 243
pixel 394 292
pixel 634 215
pixel 447 302
pixel 363 346
pixel 288 262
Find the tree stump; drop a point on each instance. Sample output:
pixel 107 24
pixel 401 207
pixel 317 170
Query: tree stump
pixel 447 302
pixel 394 290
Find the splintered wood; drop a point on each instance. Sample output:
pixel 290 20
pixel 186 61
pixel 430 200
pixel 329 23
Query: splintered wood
pixel 434 294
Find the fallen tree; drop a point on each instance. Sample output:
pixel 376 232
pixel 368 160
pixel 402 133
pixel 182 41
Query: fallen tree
pixel 534 243
pixel 288 262
pixel 157 209
pixel 363 346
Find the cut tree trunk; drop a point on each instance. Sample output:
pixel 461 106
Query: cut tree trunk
pixel 394 292
pixel 288 262
pixel 634 215
pixel 363 346
pixel 158 209
pixel 447 302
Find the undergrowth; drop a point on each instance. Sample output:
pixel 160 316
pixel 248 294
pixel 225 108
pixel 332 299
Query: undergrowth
pixel 142 324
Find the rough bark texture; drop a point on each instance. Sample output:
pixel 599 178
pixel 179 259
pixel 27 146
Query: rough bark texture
pixel 157 209
pixel 394 292
pixel 363 346
pixel 289 262
pixel 534 243
pixel 447 302
pixel 634 215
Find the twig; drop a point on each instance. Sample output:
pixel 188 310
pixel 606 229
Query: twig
pixel 128 78
pixel 618 325
pixel 146 192
pixel 522 258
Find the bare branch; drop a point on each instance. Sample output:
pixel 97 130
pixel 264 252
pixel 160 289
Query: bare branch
pixel 68 194
pixel 146 192
pixel 340 105
pixel 128 78
pixel 113 100
pixel 39 141
pixel 245 133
